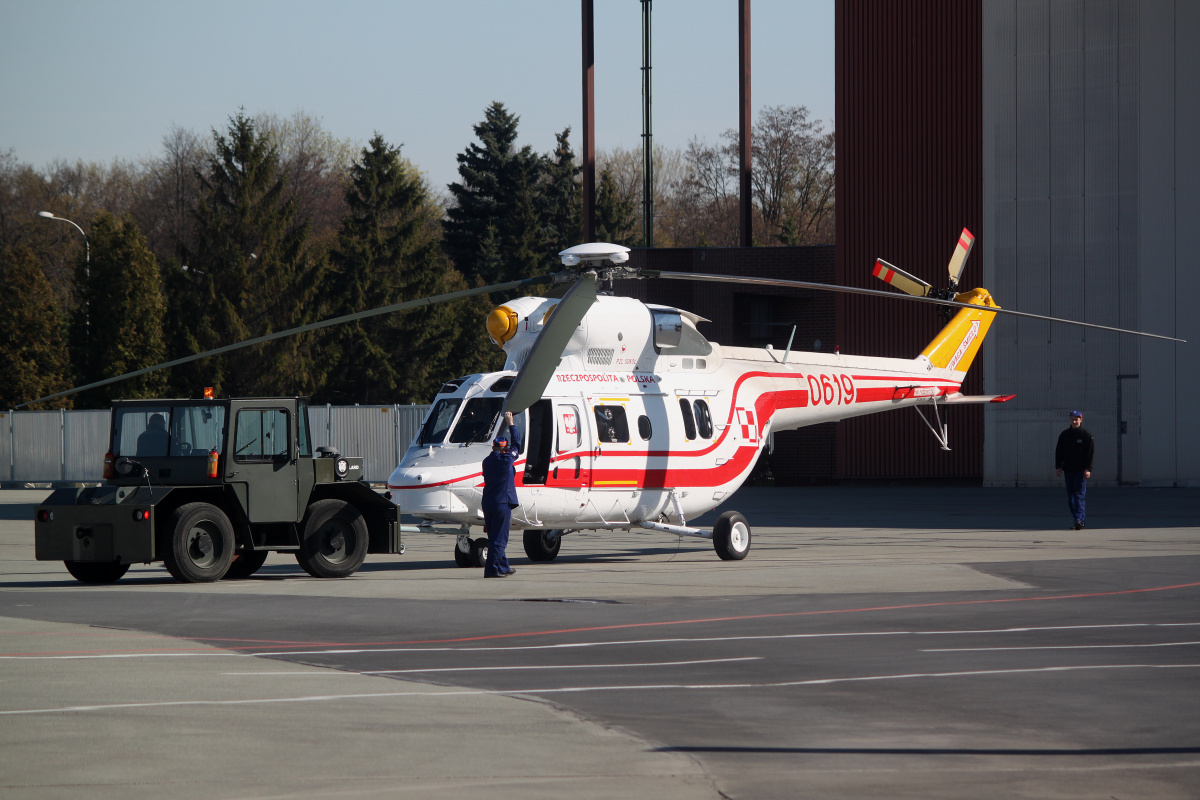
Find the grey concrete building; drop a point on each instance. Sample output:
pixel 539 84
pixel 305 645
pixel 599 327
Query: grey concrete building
pixel 1091 201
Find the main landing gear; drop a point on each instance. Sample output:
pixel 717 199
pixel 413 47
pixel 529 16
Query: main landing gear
pixel 731 536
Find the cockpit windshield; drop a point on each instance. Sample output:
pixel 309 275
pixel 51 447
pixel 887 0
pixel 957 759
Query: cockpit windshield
pixel 437 424
pixel 478 420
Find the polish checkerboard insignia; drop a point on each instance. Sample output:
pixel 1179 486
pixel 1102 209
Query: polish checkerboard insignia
pixel 745 418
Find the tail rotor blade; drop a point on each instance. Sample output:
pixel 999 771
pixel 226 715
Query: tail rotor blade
pixel 894 276
pixel 966 241
pixel 547 350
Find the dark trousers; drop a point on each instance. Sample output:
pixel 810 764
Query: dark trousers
pixel 1076 494
pixel 497 520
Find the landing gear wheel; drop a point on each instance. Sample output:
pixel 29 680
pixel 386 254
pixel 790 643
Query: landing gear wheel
pixel 247 563
pixel 334 541
pixel 198 544
pixel 96 571
pixel 731 536
pixel 479 551
pixel 542 545
pixel 463 557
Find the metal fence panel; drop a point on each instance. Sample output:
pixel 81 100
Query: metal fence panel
pixel 69 446
pixel 85 441
pixel 37 446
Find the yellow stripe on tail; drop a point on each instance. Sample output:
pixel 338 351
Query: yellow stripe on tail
pixel 956 344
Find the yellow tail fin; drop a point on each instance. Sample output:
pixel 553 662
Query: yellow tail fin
pixel 956 344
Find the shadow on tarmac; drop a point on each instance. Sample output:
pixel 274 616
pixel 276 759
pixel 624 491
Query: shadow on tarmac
pixel 939 751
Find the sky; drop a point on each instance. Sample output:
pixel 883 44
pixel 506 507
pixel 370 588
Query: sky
pixel 100 80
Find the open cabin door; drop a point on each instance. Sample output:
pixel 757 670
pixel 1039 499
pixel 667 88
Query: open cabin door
pixel 540 433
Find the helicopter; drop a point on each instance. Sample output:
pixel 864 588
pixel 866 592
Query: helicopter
pixel 629 417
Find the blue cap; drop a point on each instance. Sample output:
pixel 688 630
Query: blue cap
pixel 1075 414
pixel 500 440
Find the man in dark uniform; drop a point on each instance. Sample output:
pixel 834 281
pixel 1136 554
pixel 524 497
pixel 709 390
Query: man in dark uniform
pixel 1073 459
pixel 500 497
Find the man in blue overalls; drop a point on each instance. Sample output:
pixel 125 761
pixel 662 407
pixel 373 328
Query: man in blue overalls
pixel 500 497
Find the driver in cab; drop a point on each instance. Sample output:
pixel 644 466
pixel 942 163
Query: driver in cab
pixel 153 441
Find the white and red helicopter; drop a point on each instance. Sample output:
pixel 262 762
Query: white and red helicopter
pixel 629 417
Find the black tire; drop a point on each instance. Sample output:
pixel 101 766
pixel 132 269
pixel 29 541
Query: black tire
pixel 198 544
pixel 463 559
pixel 542 545
pixel 96 571
pixel 479 550
pixel 731 536
pixel 334 541
pixel 247 563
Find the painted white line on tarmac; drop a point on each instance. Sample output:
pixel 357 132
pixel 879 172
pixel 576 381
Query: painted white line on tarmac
pixel 569 645
pixel 700 640
pixel 1057 647
pixel 562 666
pixel 581 689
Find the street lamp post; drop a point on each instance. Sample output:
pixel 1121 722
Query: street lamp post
pixel 87 267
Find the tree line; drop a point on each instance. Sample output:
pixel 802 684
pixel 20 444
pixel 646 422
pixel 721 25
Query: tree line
pixel 271 223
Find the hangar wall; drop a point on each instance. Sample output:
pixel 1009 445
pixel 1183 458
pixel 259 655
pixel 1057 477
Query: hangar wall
pixel 909 154
pixel 1091 189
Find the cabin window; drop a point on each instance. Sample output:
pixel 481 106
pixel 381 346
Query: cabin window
pixel 262 435
pixel 437 424
pixel 689 422
pixel 644 429
pixel 611 425
pixel 703 419
pixel 478 420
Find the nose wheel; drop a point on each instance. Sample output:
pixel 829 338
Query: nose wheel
pixel 470 552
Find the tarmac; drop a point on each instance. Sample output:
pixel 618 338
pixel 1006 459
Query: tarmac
pixel 106 712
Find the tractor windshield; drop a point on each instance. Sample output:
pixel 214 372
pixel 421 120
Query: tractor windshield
pixel 167 431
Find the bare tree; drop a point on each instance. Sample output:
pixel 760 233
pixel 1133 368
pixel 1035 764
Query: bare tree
pixel 317 165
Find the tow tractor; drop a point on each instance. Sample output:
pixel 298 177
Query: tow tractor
pixel 210 487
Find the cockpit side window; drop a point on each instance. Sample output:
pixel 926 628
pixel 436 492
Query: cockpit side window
pixel 478 420
pixel 437 424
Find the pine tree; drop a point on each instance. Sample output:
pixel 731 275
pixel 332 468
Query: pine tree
pixel 616 220
pixel 249 275
pixel 118 325
pixel 498 196
pixel 388 251
pixel 562 198
pixel 33 353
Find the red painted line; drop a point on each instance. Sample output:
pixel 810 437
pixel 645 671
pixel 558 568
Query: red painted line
pixel 627 626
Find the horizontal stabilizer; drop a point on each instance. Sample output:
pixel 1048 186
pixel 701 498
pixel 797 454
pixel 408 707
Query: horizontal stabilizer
pixel 909 284
pixel 959 397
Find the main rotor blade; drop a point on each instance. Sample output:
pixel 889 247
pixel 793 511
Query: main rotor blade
pixel 829 287
pixel 547 349
pixel 405 306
